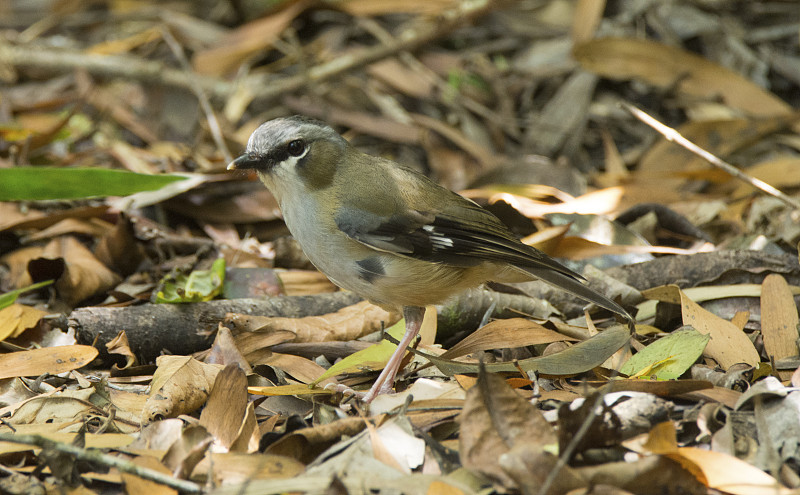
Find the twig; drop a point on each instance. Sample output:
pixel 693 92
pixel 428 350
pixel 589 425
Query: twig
pixel 425 32
pixel 597 406
pixel 674 136
pixel 115 66
pixel 263 87
pixel 202 98
pixel 98 457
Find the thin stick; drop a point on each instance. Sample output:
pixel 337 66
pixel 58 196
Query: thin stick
pixel 263 87
pixel 597 407
pixel 200 93
pixel 98 457
pixel 674 136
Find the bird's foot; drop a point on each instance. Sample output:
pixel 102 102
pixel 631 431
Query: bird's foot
pixel 366 397
pixel 345 390
pixel 378 389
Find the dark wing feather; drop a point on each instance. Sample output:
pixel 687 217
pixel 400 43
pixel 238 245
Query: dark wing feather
pixel 463 235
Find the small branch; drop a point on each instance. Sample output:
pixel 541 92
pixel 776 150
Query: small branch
pixel 112 66
pixel 202 98
pixel 97 457
pixel 674 136
pixel 262 87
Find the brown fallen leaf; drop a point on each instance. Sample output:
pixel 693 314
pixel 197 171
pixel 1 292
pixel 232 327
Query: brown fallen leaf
pixel 188 450
pixel 13 218
pixel 673 165
pixel 135 485
pixel 349 323
pixel 93 227
pixel 60 408
pixel 78 273
pixel 505 333
pixel 225 411
pixel 234 468
pixel 381 7
pixel 665 66
pixel 246 40
pixel 397 75
pixel 181 385
pixel 494 421
pixel 53 360
pixel 302 369
pixel 119 345
pixel 224 350
pixel 728 474
pixel 119 248
pixel 780 172
pixel 17 318
pixel 305 282
pixel 779 320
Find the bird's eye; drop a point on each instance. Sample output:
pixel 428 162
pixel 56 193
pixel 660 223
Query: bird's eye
pixel 296 147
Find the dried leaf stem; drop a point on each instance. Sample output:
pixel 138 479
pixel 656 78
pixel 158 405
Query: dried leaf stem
pixel 674 136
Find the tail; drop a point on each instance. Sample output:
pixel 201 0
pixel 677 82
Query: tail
pixel 575 286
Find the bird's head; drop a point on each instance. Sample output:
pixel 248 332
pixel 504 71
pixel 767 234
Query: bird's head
pixel 293 149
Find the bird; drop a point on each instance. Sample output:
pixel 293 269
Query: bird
pixel 389 233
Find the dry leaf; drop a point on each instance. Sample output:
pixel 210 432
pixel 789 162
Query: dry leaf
pixel 586 19
pixel 17 318
pixel 720 137
pixel 348 323
pixel 120 345
pixel 506 333
pixel 779 319
pixel 93 227
pixel 231 469
pixel 135 485
pixel 728 344
pixel 59 408
pixel 224 413
pixel 224 350
pixel 181 385
pixel 302 369
pixel 305 282
pixel 665 66
pixel 779 172
pixel 727 473
pixel 53 360
pixel 369 8
pixel 494 421
pixel 78 273
pixel 188 450
pixel 242 42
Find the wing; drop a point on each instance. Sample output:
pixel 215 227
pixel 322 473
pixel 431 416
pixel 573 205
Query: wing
pixel 463 234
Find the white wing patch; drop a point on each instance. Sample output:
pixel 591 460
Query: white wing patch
pixel 437 240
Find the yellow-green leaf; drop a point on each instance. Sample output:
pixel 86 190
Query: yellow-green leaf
pixel 669 357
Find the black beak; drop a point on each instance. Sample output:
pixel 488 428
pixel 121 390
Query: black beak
pixel 246 161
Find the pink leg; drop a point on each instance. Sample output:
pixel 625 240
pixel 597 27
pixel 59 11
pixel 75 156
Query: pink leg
pixel 384 383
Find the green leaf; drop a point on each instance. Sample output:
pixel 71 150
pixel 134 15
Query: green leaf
pixel 40 183
pixel 197 286
pixel 668 357
pixel 8 298
pixel 578 358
